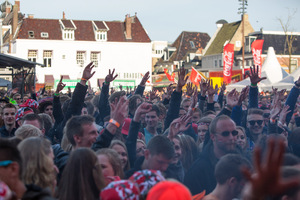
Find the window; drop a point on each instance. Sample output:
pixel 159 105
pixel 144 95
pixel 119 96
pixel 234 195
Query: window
pixel 101 35
pixel 216 63
pixel 220 63
pixel 32 55
pixel 80 57
pixel 68 34
pixel 47 58
pixel 248 43
pixel 30 34
pixel 192 44
pixel 95 57
pixel 44 35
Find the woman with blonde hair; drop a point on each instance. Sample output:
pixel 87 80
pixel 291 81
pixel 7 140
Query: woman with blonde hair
pixel 111 165
pixel 38 166
pixel 121 149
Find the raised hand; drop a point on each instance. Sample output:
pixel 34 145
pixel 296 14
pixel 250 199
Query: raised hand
pixel 267 180
pixel 179 125
pixel 203 87
pixel 60 86
pixel 282 116
pixel 181 80
pixel 189 89
pixel 153 94
pixel 145 79
pixel 210 89
pixel 87 73
pixel 232 98
pixel 120 87
pixel 223 88
pixel 142 109
pixel 243 95
pixel 276 108
pixel 254 77
pixel 110 76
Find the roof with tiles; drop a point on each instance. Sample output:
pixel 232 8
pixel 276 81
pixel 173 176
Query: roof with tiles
pixel 84 30
pixel 67 24
pixel 226 33
pixel 188 42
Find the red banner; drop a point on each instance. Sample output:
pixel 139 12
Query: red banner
pixel 171 78
pixel 228 56
pixel 195 76
pixel 256 48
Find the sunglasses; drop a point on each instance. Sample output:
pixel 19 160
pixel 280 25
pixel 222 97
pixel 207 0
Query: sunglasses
pixel 266 115
pixel 227 133
pixel 5 163
pixel 252 122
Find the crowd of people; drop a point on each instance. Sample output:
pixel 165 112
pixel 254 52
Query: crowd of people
pixel 206 143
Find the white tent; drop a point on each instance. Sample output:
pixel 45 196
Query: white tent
pixel 270 69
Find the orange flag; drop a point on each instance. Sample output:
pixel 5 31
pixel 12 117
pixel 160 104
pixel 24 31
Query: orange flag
pixel 171 78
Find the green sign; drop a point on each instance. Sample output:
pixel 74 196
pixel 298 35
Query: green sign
pixel 124 83
pixel 69 83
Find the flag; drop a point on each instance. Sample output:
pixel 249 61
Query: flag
pixel 228 56
pixel 195 76
pixel 171 78
pixel 256 48
pixel 143 76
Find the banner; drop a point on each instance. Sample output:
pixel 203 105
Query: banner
pixel 256 48
pixel 228 56
pixel 195 76
pixel 171 78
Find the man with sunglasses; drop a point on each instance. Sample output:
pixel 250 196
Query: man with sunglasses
pixel 255 124
pixel 223 136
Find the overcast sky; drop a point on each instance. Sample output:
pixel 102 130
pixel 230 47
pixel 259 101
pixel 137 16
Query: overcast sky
pixel 166 19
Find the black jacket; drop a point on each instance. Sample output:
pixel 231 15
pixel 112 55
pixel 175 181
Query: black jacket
pixel 201 176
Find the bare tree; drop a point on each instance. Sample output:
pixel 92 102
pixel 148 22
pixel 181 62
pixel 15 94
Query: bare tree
pixel 289 37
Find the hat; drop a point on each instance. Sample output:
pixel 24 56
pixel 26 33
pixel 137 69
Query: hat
pixel 120 190
pixel 6 99
pixel 22 112
pixel 31 103
pixel 169 190
pixel 5 192
pixel 125 126
pixel 146 179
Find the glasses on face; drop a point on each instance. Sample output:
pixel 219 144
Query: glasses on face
pixel 227 133
pixel 266 115
pixel 5 163
pixel 252 122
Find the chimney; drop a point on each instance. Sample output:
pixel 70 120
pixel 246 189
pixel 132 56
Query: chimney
pixel 8 9
pixel 128 27
pixel 17 2
pixel 64 15
pixel 15 19
pixel 30 16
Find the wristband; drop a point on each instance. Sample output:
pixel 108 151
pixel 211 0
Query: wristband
pixel 253 85
pixel 83 79
pixel 56 94
pixel 114 122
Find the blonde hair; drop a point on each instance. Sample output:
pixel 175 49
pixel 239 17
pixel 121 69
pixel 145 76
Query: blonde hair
pixel 37 165
pixel 28 130
pixel 119 142
pixel 113 159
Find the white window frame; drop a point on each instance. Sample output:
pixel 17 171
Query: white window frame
pixel 47 57
pixel 95 57
pixel 101 35
pixel 68 35
pixel 32 55
pixel 80 57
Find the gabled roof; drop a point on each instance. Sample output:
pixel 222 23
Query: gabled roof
pixel 188 42
pixel 100 25
pixel 226 33
pixel 84 30
pixel 277 41
pixel 67 24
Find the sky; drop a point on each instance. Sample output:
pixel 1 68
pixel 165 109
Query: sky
pixel 164 20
